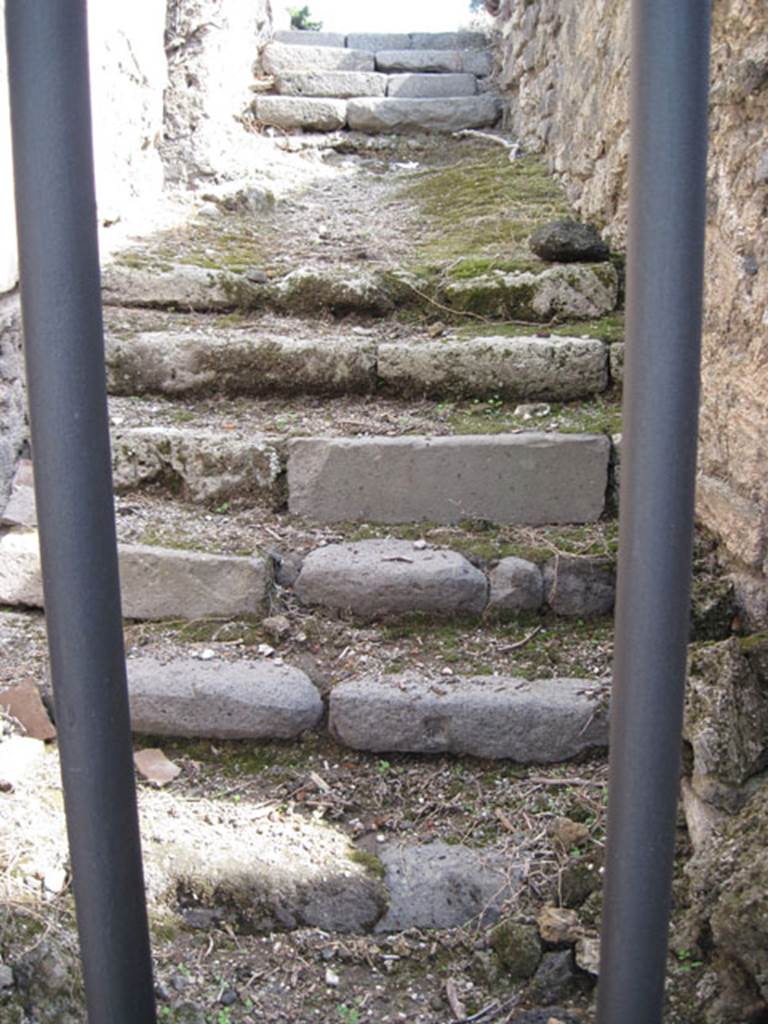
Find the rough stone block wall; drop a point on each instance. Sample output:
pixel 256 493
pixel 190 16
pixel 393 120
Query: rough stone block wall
pixel 565 71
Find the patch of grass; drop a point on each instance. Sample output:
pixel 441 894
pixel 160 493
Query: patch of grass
pixel 496 415
pixel 608 329
pixel 369 861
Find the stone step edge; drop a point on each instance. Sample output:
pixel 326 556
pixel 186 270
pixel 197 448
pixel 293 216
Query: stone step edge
pixel 532 368
pixel 350 85
pixel 542 721
pixel 394 40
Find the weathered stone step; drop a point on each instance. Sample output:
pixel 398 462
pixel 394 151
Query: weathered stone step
pixel 339 84
pixel 531 478
pixel 536 722
pixel 301 112
pixel 279 58
pixel 385 40
pixel 475 62
pixel 555 291
pixel 238 363
pixel 156 583
pixel 394 114
pixel 357 84
pixel 415 86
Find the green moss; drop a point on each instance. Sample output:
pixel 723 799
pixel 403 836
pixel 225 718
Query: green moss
pixel 372 864
pixel 608 329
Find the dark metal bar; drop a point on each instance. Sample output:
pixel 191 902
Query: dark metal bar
pixel 670 78
pixel 64 350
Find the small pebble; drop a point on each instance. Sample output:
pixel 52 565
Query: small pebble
pixel 6 976
pixel 207 654
pixel 420 545
pixel 265 650
pixel 228 997
pixel 331 978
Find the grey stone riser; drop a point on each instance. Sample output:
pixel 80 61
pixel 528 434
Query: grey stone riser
pixel 359 84
pixel 181 365
pixel 278 58
pixel 377 114
pixel 386 40
pixel 534 722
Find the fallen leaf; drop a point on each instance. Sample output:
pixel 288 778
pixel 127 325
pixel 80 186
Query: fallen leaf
pixel 23 702
pixel 458 1009
pixel 155 767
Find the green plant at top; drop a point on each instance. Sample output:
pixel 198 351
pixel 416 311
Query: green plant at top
pixel 301 19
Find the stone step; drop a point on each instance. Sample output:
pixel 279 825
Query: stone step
pixel 415 86
pixel 537 722
pixel 562 291
pixel 278 58
pixel 300 112
pixel 395 115
pixel 474 62
pixel 339 84
pixel 529 722
pixel 528 478
pixel 294 37
pixel 156 583
pixel 386 40
pixel 238 363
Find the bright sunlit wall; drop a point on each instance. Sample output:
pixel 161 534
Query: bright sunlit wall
pixel 393 16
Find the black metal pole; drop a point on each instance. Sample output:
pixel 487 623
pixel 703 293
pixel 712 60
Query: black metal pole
pixel 670 79
pixel 64 350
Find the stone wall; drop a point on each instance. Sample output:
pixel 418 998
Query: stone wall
pixel 211 46
pixel 565 71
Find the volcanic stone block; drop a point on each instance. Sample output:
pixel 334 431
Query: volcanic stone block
pixel 567 241
pixel 383 115
pixel 516 586
pixel 430 86
pixel 290 112
pixel 580 586
pixel 436 885
pixel 551 369
pixel 221 699
pixel 374 578
pixel 341 84
pixel 308 38
pixel 232 363
pixel 539 722
pixel 201 466
pixel 161 583
pixel 533 478
pixel 279 58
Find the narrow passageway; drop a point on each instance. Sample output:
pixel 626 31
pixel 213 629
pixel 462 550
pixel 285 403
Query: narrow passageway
pixel 366 429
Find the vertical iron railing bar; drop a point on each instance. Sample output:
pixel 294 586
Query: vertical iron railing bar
pixel 669 107
pixel 64 354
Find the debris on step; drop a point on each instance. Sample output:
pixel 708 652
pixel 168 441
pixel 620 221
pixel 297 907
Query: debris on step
pixel 155 767
pixel 23 703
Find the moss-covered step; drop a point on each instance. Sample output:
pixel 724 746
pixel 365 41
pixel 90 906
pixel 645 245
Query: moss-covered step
pixel 533 478
pixel 395 114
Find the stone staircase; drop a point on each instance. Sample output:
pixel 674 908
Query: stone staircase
pixel 319 81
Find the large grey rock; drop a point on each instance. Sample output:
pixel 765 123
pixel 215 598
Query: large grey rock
pixel 307 38
pixel 180 288
pixel 13 429
pixel 382 115
pixel 278 58
pixel 568 241
pixel 617 362
pixel 430 86
pixel 538 722
pixel 576 291
pixel 532 478
pixel 473 62
pixel 156 583
pixel 161 583
pixel 373 578
pixel 437 885
pixel 342 84
pixel 307 290
pixel 220 699
pixel 200 466
pixel 516 586
pixel 580 586
pixel 290 112
pixel 552 369
pixel 232 363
